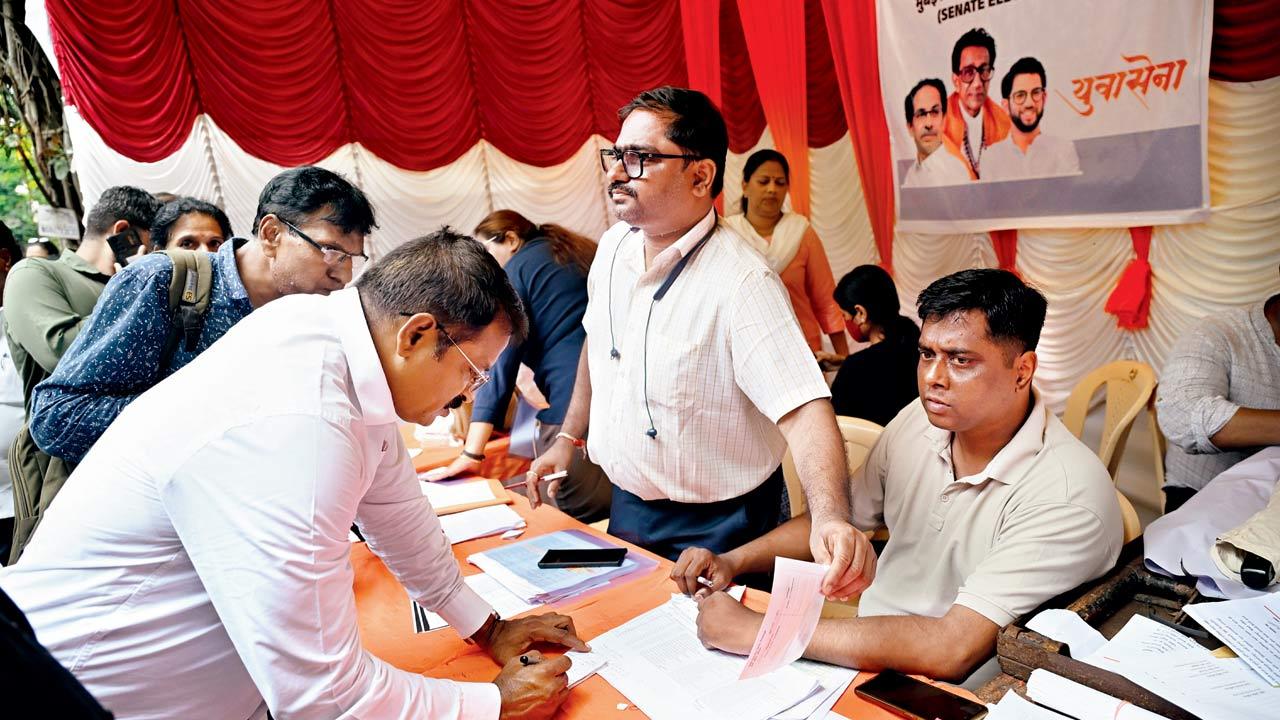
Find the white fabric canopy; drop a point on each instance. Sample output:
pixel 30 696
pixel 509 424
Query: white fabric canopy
pixel 1231 259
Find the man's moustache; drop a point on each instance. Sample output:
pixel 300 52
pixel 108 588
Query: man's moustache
pixel 456 403
pixel 622 188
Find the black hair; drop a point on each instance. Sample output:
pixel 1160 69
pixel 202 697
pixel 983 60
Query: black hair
pixel 121 202
pixel 9 244
pixel 976 37
pixel 301 191
pixel 910 103
pixel 1024 66
pixel 1014 310
pixel 173 210
pixel 758 158
pixel 695 124
pixel 448 275
pixel 48 246
pixel 872 288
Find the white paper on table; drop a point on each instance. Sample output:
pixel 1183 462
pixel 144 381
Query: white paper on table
pixel 1069 628
pixel 442 495
pixel 1179 670
pixel 657 661
pixel 480 522
pixel 1081 701
pixel 1015 707
pixel 585 664
pixel 833 680
pixel 795 604
pixel 1249 627
pixel 504 602
pixel 414 452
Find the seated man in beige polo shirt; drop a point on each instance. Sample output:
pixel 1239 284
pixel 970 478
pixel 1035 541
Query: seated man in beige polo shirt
pixel 992 505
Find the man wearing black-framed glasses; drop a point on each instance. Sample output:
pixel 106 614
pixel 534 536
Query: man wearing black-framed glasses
pixel 1028 152
pixel 695 376
pixel 974 121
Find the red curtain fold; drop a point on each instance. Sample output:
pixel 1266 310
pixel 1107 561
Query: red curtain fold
pixel 125 68
pixel 1246 40
pixel 774 31
pixel 418 84
pixel 826 114
pixel 852 31
pixel 742 113
pixel 1130 302
pixel 700 21
pixel 1005 243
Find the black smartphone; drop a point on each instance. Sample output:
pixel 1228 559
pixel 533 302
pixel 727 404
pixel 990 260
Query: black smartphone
pixel 910 698
pixel 124 246
pixel 577 557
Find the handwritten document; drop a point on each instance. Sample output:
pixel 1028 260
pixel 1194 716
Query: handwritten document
pixel 794 606
pixel 1249 627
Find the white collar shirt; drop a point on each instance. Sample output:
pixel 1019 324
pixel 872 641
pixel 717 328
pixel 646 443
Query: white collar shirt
pixel 196 564
pixel 973 128
pixel 726 360
pixel 1039 519
pixel 939 168
pixel 1046 156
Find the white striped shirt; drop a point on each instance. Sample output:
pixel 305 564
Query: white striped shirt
pixel 726 361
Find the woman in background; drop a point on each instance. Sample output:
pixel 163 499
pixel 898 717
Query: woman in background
pixel 186 223
pixel 791 248
pixel 878 381
pixel 547 265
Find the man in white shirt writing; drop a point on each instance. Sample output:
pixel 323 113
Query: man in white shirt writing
pixel 937 160
pixel 695 376
pixel 1028 152
pixel 196 564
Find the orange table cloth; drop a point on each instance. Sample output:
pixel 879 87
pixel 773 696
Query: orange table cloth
pixel 386 622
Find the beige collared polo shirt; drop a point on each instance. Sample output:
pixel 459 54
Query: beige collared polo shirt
pixel 1040 519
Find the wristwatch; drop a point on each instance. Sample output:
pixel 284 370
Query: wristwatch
pixel 485 630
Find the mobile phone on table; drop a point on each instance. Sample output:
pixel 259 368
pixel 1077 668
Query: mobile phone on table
pixel 582 557
pixel 910 698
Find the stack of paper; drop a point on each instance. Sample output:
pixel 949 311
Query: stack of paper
pixel 499 598
pixel 1181 671
pixel 516 567
pixel 1082 702
pixel 1015 707
pixel 481 522
pixel 657 661
pixel 1249 627
pixel 453 496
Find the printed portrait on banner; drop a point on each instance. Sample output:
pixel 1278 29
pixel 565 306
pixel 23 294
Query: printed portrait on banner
pixel 1041 113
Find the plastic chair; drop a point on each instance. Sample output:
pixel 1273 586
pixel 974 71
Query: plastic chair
pixel 1130 387
pixel 1132 525
pixel 859 436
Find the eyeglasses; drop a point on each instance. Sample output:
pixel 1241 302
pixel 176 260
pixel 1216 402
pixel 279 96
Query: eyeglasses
pixel 478 377
pixel 1020 96
pixel 933 112
pixel 968 72
pixel 633 160
pixel 332 256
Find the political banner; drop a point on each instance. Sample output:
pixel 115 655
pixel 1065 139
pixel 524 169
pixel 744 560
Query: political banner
pixel 1011 114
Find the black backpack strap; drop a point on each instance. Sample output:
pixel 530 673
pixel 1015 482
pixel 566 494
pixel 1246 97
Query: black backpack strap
pixel 189 293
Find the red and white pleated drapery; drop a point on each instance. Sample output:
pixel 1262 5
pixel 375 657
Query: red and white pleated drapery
pixel 443 111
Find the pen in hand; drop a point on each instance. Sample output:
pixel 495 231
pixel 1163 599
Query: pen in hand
pixel 545 478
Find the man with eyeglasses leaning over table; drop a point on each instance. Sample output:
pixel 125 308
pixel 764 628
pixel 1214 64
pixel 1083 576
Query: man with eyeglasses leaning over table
pixel 694 377
pixel 201 569
pixel 309 234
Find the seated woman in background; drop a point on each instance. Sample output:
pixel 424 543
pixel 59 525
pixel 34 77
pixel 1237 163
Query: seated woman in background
pixel 186 223
pixel 547 265
pixel 791 248
pixel 878 381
